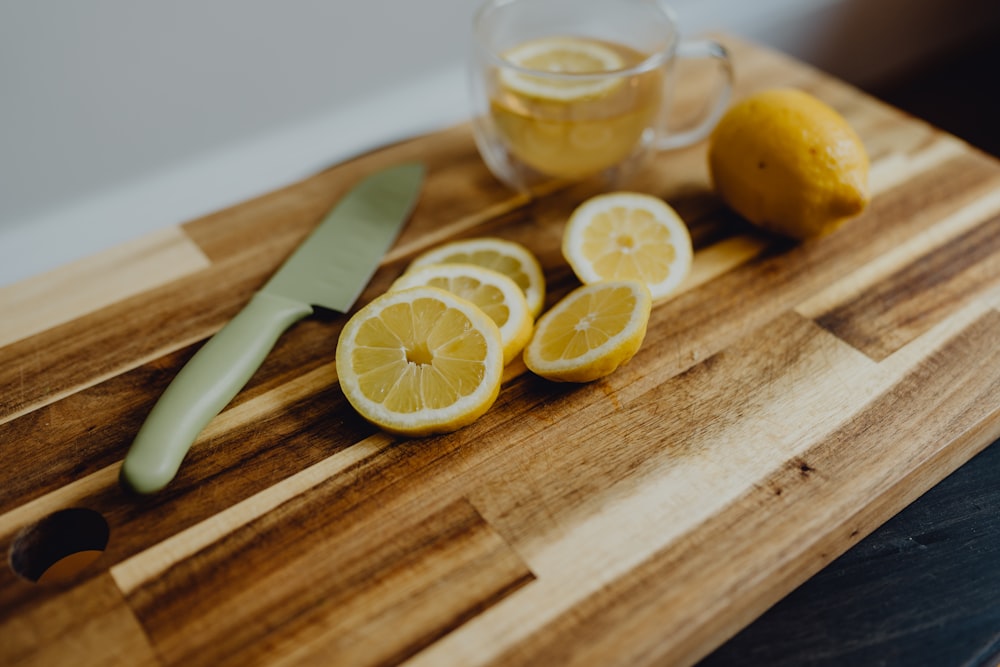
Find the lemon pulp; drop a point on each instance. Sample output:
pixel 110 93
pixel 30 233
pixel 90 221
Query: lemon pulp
pixel 590 332
pixel 494 293
pixel 420 361
pixel 427 357
pixel 628 236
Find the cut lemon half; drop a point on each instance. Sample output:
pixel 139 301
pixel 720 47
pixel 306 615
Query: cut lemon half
pixel 506 257
pixel 420 361
pixel 561 56
pixel 496 295
pixel 590 332
pixel 628 236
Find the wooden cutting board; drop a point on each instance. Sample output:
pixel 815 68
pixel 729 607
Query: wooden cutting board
pixel 787 402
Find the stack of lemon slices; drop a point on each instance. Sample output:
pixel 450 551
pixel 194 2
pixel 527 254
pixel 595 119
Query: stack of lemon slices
pixel 428 355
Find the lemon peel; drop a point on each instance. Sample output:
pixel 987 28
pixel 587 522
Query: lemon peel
pixel 789 163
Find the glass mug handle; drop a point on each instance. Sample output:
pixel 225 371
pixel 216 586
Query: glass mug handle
pixel 702 48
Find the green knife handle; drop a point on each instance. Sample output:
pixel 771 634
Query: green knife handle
pixel 206 384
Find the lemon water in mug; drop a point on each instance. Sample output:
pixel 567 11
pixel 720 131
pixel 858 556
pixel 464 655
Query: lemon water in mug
pixel 565 90
pixel 562 110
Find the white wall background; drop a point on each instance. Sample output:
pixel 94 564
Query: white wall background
pixel 121 116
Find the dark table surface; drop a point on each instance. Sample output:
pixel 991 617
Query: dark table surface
pixel 923 589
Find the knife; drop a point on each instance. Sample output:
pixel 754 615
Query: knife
pixel 329 269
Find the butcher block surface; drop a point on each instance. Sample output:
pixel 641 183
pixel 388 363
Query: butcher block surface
pixel 790 399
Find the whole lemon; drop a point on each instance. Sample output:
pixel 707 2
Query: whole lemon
pixel 789 163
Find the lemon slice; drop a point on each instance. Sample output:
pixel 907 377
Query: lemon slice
pixel 590 332
pixel 506 257
pixel 561 55
pixel 420 361
pixel 496 295
pixel 628 236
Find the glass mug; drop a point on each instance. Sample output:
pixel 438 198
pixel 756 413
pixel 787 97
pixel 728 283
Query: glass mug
pixel 572 89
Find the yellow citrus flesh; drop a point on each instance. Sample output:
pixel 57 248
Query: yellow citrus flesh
pixel 506 257
pixel 789 163
pixel 494 293
pixel 591 332
pixel 420 361
pixel 628 236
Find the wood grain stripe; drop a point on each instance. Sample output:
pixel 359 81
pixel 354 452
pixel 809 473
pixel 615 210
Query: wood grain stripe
pixel 79 626
pixel 109 341
pixel 449 230
pixel 854 285
pixel 897 167
pixel 87 285
pixel 930 287
pixel 137 570
pixel 349 598
pixel 721 257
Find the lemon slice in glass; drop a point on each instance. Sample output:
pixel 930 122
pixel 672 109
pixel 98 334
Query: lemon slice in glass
pixel 496 295
pixel 506 257
pixel 628 236
pixel 420 361
pixel 561 55
pixel 590 332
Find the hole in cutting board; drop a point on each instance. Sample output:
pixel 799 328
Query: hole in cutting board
pixel 58 548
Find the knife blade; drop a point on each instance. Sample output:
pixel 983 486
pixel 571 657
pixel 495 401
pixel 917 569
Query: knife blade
pixel 329 269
